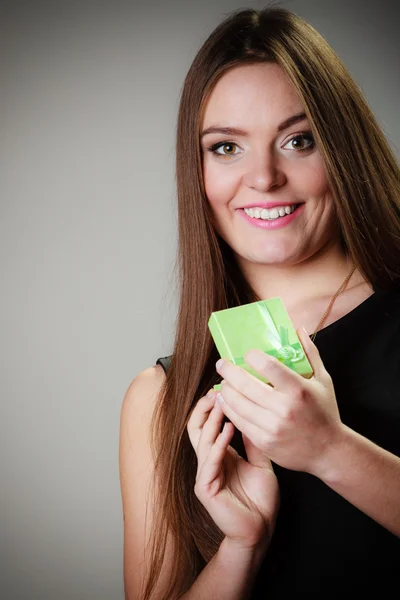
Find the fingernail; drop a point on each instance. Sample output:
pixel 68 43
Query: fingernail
pixel 219 363
pixel 305 330
pixel 220 398
pixel 210 393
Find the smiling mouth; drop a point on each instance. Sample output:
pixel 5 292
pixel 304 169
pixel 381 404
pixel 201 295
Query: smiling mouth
pixel 270 214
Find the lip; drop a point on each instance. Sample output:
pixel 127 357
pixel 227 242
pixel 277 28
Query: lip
pixel 267 204
pixel 275 223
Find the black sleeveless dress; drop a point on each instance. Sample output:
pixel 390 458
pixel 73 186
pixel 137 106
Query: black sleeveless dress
pixel 324 547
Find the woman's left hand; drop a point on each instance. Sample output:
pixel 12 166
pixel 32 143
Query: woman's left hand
pixel 295 421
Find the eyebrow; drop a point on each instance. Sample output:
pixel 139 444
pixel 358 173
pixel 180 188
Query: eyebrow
pixel 234 131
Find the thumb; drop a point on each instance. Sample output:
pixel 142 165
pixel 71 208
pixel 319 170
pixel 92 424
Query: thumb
pixel 254 454
pixel 312 353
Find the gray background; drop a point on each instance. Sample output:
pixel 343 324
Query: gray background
pixel 88 100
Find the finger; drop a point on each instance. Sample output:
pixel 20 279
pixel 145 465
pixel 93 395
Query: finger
pixel 253 432
pixel 312 353
pixel 255 456
pixel 279 375
pixel 211 468
pixel 256 413
pixel 199 416
pixel 210 432
pixel 245 383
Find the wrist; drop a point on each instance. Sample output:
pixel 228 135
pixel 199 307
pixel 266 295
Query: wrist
pixel 331 462
pixel 238 551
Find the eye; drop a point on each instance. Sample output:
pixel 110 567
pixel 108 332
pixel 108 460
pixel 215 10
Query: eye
pixel 301 142
pixel 229 145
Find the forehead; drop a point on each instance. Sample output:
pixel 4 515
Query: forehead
pixel 252 92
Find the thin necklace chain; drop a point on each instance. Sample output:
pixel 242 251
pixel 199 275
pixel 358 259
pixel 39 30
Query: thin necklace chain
pixel 326 313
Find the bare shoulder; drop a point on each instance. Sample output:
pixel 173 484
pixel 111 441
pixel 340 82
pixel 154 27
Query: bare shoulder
pixel 136 467
pixel 137 410
pixel 145 386
pixel 138 407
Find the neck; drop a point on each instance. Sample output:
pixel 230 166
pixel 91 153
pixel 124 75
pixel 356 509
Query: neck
pixel 317 277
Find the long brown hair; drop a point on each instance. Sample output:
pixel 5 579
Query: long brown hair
pixel 364 179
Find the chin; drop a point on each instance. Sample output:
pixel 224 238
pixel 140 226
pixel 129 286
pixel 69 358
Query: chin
pixel 272 256
pixel 266 258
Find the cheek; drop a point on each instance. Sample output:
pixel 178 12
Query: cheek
pixel 219 186
pixel 314 180
pixel 319 183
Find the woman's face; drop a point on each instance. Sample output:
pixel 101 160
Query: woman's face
pixel 263 176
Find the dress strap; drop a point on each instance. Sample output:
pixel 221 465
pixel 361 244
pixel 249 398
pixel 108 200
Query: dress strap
pixel 164 362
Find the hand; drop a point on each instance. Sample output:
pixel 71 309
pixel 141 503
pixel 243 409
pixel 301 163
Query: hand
pixel 293 422
pixel 242 497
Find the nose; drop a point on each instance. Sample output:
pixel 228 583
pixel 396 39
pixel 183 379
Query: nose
pixel 264 173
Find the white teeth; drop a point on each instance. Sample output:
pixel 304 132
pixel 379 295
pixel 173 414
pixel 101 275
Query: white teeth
pixel 269 214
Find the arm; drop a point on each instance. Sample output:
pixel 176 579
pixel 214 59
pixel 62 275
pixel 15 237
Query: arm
pixel 231 572
pixel 297 424
pixel 366 475
pixel 229 575
pixel 136 466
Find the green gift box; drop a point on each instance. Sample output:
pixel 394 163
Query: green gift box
pixel 265 325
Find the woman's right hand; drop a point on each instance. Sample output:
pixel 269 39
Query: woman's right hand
pixel 242 497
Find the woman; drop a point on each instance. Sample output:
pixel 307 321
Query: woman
pixel 286 187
